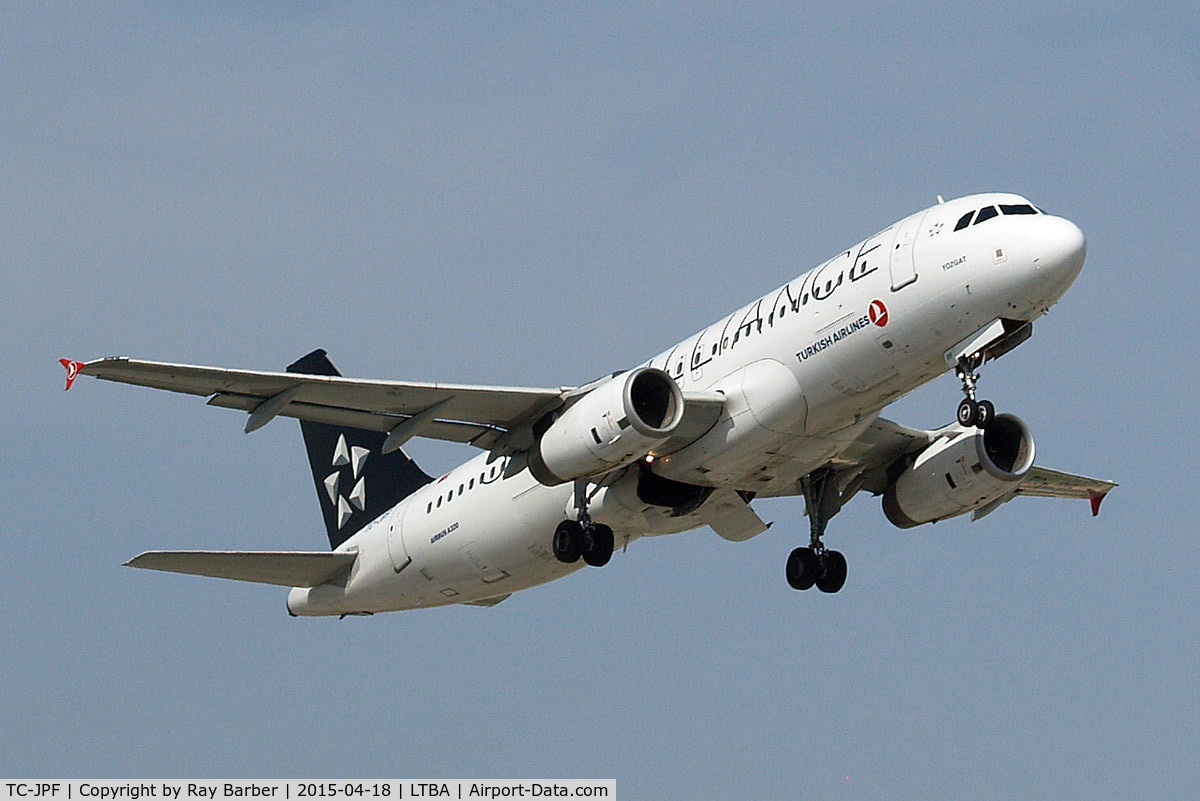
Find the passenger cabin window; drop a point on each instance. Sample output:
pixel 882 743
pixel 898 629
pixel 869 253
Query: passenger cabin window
pixel 986 213
pixel 1020 208
pixel 964 221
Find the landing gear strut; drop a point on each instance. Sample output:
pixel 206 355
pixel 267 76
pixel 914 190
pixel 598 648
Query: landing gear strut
pixel 583 537
pixel 815 565
pixel 972 412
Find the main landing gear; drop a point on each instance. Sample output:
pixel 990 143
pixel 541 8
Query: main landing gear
pixel 815 565
pixel 593 541
pixel 583 537
pixel 971 412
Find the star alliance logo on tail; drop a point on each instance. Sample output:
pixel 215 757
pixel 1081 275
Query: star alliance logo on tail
pixel 354 458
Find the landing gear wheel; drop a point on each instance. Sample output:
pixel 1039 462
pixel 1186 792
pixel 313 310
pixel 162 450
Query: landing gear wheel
pixel 802 568
pixel 971 412
pixel 600 548
pixel 833 574
pixel 968 412
pixel 568 542
pixel 822 500
pixel 985 413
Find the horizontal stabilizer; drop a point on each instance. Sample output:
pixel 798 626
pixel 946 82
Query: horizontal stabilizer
pixel 285 568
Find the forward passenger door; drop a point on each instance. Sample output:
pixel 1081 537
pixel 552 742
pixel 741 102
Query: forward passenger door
pixel 903 266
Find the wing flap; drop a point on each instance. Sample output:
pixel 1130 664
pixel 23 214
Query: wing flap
pixel 449 430
pixel 727 513
pixel 285 568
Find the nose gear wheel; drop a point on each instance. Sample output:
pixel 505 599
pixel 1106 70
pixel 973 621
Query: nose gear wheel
pixel 971 412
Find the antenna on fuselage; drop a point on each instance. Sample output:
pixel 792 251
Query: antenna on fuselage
pixel 940 200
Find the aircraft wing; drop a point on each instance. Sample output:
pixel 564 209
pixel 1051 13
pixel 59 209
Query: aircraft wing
pixel 878 447
pixel 1046 483
pixel 866 462
pixel 478 415
pixel 491 418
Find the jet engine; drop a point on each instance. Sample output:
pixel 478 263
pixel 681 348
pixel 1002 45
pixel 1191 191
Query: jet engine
pixel 618 422
pixel 963 472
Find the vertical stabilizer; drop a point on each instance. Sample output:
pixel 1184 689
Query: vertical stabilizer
pixel 356 482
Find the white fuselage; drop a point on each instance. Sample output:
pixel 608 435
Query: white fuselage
pixel 805 368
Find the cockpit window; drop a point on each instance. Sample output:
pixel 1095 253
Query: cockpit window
pixel 986 213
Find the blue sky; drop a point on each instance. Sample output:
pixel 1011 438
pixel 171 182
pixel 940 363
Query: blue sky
pixel 533 194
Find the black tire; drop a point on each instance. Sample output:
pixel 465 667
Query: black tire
pixel 801 569
pixel 985 413
pixel 601 549
pixel 833 576
pixel 968 412
pixel 568 542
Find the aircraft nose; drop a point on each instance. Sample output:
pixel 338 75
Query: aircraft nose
pixel 1057 247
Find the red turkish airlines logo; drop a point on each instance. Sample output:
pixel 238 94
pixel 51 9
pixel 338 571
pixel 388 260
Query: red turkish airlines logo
pixel 878 313
pixel 72 370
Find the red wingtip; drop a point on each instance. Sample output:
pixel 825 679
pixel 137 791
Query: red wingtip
pixel 1096 501
pixel 72 371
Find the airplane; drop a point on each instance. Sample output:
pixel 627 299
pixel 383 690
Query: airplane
pixel 780 398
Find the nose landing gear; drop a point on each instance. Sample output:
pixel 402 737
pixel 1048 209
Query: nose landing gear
pixel 971 412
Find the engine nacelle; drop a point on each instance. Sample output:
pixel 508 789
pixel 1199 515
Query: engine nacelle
pixel 618 422
pixel 965 472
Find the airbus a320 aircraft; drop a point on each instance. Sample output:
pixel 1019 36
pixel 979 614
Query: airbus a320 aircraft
pixel 781 397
